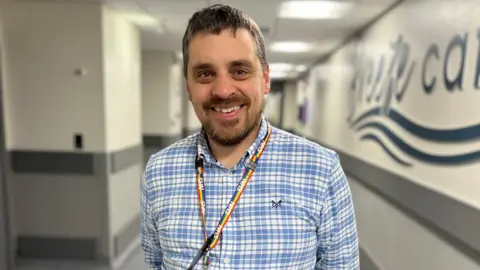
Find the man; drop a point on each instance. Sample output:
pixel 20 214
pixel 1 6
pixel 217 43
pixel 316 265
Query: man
pixel 241 194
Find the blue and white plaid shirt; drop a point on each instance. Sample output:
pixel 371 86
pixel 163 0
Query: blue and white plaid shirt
pixel 295 213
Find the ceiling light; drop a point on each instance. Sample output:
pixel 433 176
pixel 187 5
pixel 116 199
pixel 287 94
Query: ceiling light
pixel 280 67
pixel 291 47
pixel 313 9
pixel 142 20
pixel 279 75
pixel 284 70
pixel 301 68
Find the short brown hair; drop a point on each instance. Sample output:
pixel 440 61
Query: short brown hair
pixel 219 17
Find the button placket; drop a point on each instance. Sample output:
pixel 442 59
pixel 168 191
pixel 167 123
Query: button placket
pixel 229 186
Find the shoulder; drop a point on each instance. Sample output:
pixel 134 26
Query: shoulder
pixel 176 154
pixel 309 165
pixel 303 149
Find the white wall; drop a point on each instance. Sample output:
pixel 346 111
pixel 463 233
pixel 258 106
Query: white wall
pixel 421 24
pixel 122 81
pixel 47 103
pixel 43 92
pixel 161 93
pixel 103 105
pixel 441 109
pixel 193 124
pixel 122 78
pixel 396 242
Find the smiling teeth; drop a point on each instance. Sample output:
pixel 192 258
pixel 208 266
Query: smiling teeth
pixel 227 110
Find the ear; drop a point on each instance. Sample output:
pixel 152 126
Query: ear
pixel 266 77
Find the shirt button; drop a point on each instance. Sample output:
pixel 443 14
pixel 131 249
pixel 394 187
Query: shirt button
pixel 226 260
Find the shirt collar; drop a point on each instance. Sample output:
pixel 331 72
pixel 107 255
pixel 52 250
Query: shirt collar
pixel 204 150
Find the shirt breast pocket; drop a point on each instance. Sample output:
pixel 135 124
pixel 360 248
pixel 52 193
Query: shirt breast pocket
pixel 282 229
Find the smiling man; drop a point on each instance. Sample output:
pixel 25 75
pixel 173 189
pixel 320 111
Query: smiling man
pixel 241 194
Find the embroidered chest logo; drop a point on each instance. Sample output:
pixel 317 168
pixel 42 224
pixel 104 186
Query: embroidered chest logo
pixel 276 204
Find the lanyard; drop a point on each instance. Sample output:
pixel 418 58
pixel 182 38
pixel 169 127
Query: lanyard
pixel 211 242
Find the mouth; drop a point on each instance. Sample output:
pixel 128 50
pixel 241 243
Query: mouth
pixel 227 110
pixel 227 113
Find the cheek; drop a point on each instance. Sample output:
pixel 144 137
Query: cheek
pixel 257 97
pixel 198 102
pixel 253 90
pixel 197 97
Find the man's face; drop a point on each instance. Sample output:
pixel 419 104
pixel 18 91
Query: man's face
pixel 226 84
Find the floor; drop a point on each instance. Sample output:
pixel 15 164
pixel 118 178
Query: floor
pixel 134 262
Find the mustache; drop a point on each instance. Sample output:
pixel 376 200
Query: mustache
pixel 216 101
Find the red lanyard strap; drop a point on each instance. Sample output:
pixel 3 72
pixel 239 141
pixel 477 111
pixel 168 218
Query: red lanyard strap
pixel 211 242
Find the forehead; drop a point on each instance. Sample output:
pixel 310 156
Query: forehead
pixel 224 47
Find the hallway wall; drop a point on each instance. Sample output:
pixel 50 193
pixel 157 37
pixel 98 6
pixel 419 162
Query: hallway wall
pixel 162 98
pixel 74 129
pixel 123 126
pixel 385 101
pixel 290 106
pixel 35 126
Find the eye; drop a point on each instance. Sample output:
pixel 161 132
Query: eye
pixel 204 74
pixel 240 73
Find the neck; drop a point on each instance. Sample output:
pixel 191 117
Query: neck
pixel 231 154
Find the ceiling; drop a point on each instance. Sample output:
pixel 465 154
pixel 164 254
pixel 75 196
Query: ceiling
pixel 163 23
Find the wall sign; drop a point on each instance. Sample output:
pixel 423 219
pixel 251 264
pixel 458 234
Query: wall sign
pixel 383 81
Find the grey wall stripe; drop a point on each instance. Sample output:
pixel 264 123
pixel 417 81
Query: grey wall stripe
pixel 126 236
pixel 78 163
pixel 160 141
pixel 125 158
pixel 51 162
pixel 97 165
pixel 4 220
pixel 32 247
pixel 102 176
pixel 366 262
pixel 453 221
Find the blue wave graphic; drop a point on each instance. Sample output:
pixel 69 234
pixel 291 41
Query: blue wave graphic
pixel 418 154
pixel 440 135
pixel 385 148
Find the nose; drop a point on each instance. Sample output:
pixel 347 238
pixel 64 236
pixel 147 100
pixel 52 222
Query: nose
pixel 223 87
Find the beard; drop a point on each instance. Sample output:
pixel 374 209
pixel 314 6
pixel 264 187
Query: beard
pixel 233 132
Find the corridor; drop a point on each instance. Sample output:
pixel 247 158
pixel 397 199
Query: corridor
pixel 92 90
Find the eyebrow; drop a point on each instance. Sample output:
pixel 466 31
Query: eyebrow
pixel 241 63
pixel 201 66
pixel 235 63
